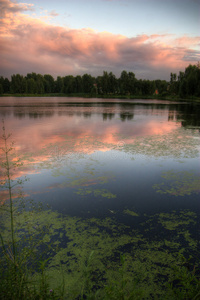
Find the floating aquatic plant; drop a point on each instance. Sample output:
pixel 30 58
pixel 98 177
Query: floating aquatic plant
pixel 131 213
pixel 96 193
pixel 178 183
pixel 180 143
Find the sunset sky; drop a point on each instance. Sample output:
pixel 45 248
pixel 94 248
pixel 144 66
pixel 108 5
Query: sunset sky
pixel 72 37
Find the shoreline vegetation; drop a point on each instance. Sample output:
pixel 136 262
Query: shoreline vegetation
pixel 106 96
pixel 185 86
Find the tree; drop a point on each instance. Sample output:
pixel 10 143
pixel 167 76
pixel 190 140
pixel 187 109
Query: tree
pixel 174 85
pixel 192 82
pixel 138 87
pixel 105 83
pixel 68 84
pixel 148 87
pixel 31 75
pixel 1 85
pixel 6 85
pixel 31 86
pixel 113 84
pixel 182 88
pixel 131 82
pixel 1 89
pixel 40 82
pixel 124 85
pixel 185 84
pixel 59 85
pixel 189 81
pixel 79 84
pixel 127 83
pixel 18 84
pixel 88 82
pixel 161 86
pixel 49 84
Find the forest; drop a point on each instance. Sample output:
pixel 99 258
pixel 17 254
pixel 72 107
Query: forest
pixel 185 84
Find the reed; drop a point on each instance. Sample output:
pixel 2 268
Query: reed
pixel 18 261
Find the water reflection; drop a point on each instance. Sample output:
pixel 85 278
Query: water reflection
pixel 41 123
pixel 68 139
pixel 186 114
pixel 121 175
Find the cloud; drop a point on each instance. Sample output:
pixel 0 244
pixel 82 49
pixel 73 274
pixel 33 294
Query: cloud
pixel 29 44
pixel 6 6
pixel 191 55
pixel 53 13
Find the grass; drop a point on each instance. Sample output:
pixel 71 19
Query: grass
pixel 107 96
pixel 36 263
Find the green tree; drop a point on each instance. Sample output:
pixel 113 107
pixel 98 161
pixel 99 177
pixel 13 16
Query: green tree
pixel 1 89
pixel 127 83
pixel 49 84
pixel 191 75
pixel 138 87
pixel 88 82
pixel 131 82
pixel 161 86
pixel 59 85
pixel 113 83
pixel 40 82
pixel 124 83
pixel 148 87
pixel 105 84
pixel 174 84
pixel 6 85
pixel 31 75
pixel 189 81
pixel 18 84
pixel 68 84
pixel 1 85
pixel 79 84
pixel 31 86
pixel 35 83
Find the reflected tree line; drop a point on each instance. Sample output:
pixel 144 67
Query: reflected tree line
pixel 187 115
pixel 186 84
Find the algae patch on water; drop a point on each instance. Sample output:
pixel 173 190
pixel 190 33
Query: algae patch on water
pixel 178 183
pixel 96 193
pixel 180 143
pixel 131 213
pixel 81 247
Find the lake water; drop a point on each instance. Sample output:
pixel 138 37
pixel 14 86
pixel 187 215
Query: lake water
pixel 134 164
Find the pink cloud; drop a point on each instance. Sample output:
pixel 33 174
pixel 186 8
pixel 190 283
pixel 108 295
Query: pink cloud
pixel 7 6
pixel 29 44
pixel 187 41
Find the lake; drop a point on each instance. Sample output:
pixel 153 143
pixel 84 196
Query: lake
pixel 125 174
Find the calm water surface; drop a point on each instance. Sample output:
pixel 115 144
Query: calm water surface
pixel 121 177
pixel 108 158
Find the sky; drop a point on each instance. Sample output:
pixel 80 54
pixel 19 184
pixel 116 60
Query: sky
pixel 150 38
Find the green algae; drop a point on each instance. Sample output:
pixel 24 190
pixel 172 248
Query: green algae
pixel 79 248
pixel 131 213
pixel 173 221
pixel 96 193
pixel 178 183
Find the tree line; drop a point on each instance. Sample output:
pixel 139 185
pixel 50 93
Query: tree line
pixel 185 84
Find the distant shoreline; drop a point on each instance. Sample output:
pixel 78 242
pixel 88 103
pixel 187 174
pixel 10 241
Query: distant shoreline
pixel 105 96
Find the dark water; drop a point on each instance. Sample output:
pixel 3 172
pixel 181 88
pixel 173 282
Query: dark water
pixel 120 177
pixel 104 158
